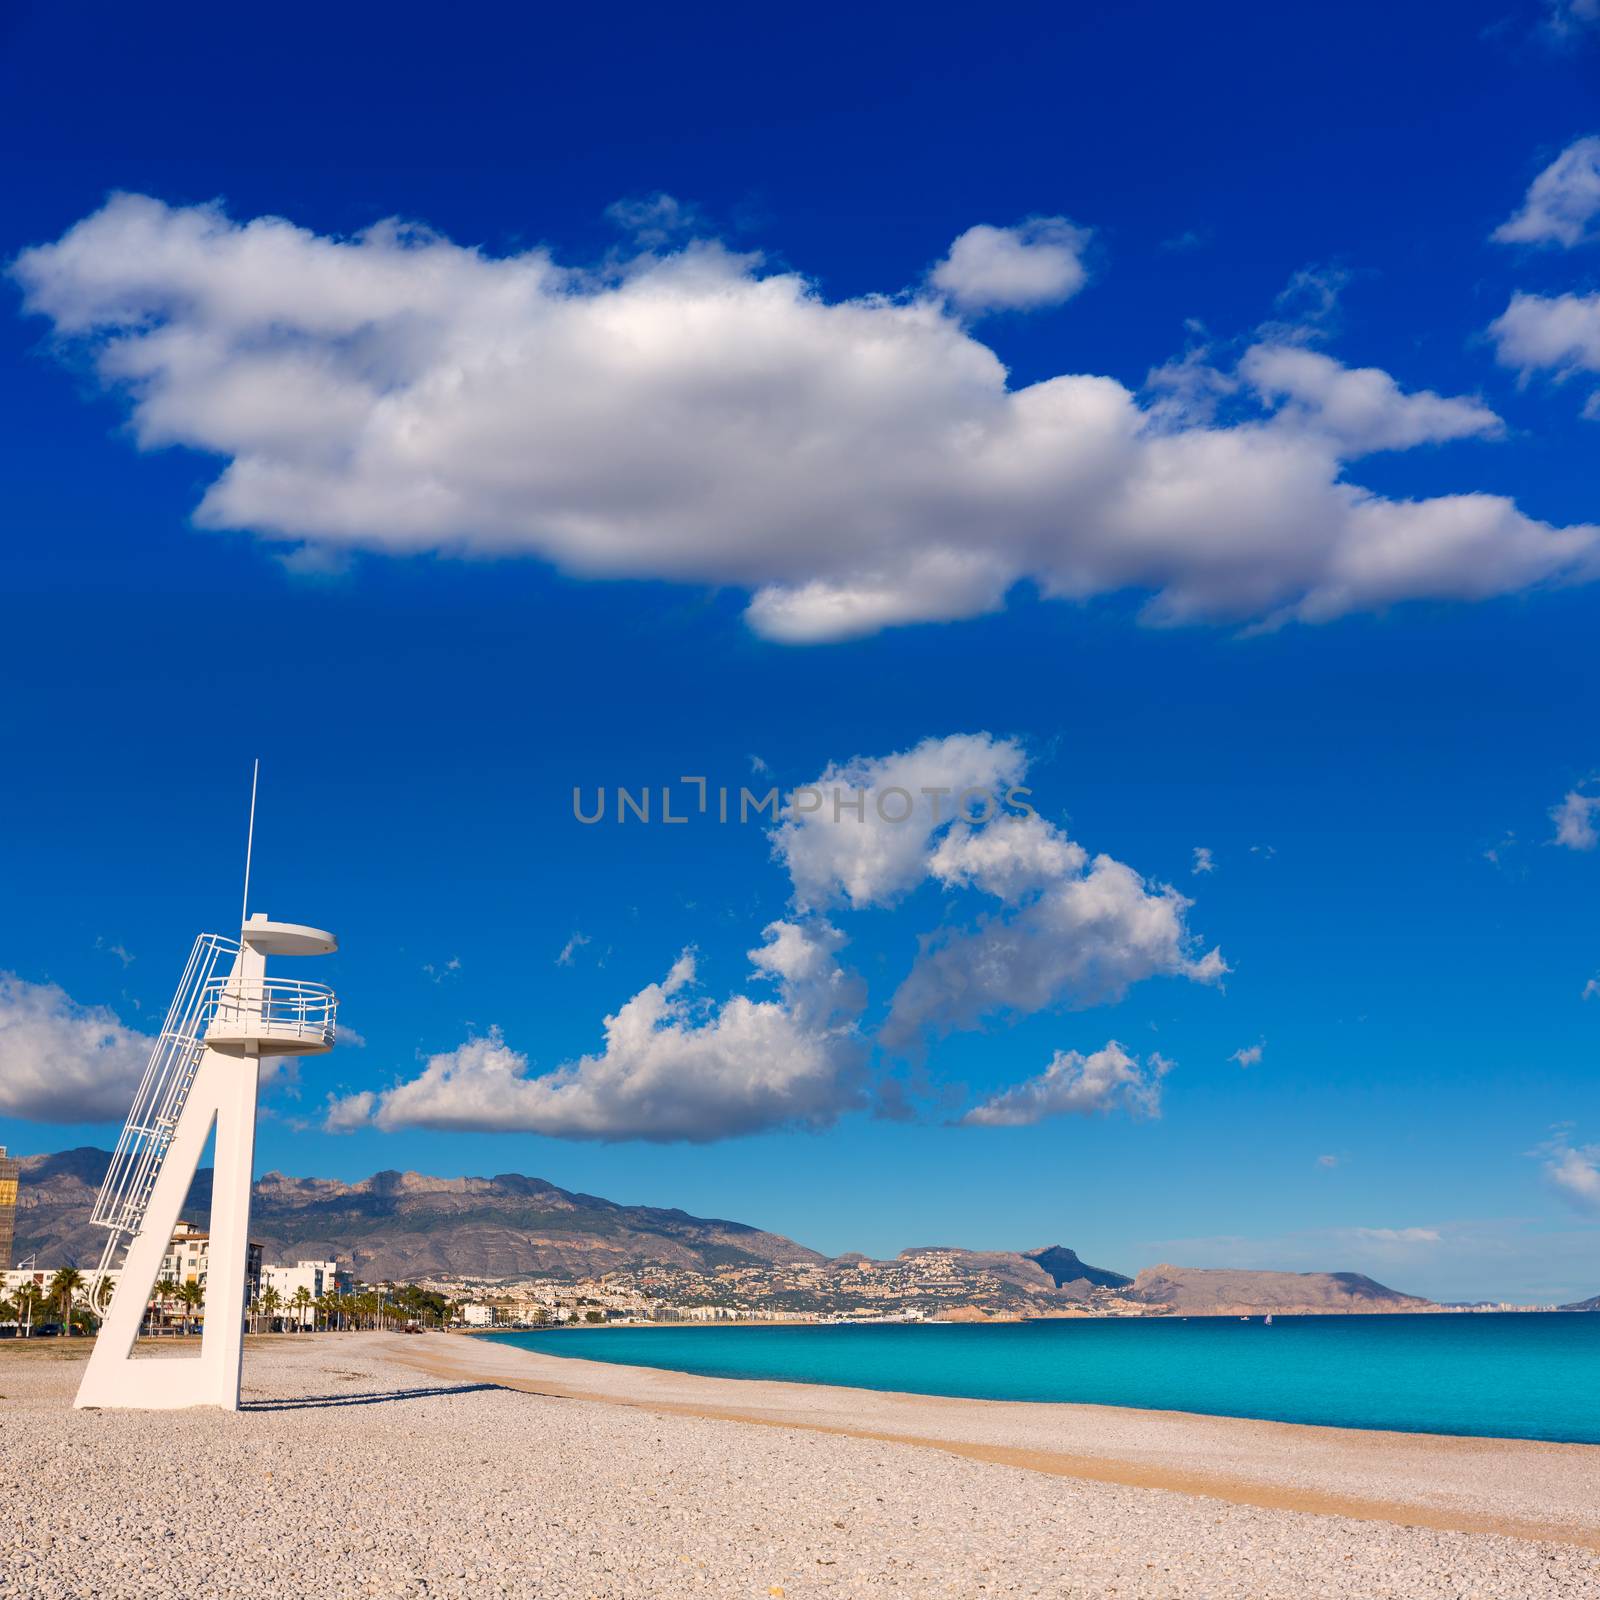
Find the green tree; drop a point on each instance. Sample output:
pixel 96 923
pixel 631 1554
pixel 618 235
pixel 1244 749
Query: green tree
pixel 191 1297
pixel 164 1294
pixel 270 1302
pixel 301 1303
pixel 64 1289
pixel 30 1302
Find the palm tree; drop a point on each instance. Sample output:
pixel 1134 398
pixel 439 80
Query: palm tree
pixel 165 1293
pixel 301 1302
pixel 29 1304
pixel 191 1297
pixel 270 1301
pixel 101 1298
pixel 64 1288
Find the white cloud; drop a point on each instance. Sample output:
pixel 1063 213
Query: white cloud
pixel 1562 201
pixel 695 417
pixel 1552 333
pixel 1108 1079
pixel 570 949
pixel 1575 1174
pixel 673 1068
pixel 1327 1163
pixel 1070 930
pixel 1360 409
pixel 1036 263
pixel 62 1062
pixel 1591 990
pixel 348 1112
pixel 867 860
pixel 1249 1056
pixel 1203 861
pixel 1397 1235
pixel 1078 936
pixel 1575 820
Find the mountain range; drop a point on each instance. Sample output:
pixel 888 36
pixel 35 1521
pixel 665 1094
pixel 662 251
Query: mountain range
pixel 403 1225
pixel 406 1225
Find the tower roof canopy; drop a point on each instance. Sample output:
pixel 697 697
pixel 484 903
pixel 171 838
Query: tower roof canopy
pixel 286 938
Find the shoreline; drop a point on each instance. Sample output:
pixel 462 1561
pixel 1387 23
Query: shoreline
pixel 1517 1488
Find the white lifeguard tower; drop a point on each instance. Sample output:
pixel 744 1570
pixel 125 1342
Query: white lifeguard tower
pixel 204 1070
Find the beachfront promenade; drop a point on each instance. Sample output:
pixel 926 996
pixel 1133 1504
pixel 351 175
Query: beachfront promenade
pixel 367 1465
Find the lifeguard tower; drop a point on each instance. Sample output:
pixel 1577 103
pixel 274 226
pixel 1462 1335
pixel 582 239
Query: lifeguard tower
pixel 204 1071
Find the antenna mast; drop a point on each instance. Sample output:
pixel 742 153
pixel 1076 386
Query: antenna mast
pixel 249 843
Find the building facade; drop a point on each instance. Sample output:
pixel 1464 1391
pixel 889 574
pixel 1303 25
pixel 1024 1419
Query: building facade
pixel 10 1177
pixel 189 1254
pixel 317 1278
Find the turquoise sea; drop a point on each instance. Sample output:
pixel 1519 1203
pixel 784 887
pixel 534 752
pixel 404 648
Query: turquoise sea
pixel 1528 1375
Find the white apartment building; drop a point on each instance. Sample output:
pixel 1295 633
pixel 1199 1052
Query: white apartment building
pixel 480 1316
pixel 189 1254
pixel 317 1278
pixel 186 1261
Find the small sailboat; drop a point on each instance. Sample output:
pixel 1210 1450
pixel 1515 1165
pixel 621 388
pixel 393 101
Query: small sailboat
pixel 1268 1319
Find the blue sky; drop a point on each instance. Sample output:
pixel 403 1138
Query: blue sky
pixel 666 509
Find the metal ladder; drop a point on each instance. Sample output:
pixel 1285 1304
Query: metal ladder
pixel 168 1076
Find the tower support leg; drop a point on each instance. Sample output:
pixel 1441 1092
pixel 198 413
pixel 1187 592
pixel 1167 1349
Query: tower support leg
pixel 224 1094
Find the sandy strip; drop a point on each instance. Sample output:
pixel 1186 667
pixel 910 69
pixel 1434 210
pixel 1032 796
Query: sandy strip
pixel 1513 1487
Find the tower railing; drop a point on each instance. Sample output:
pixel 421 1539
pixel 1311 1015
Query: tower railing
pixel 271 1010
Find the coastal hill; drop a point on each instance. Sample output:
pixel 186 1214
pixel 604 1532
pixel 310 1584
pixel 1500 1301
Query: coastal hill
pixel 408 1226
pixel 405 1225
pixel 1064 1267
pixel 1591 1304
pixel 1202 1291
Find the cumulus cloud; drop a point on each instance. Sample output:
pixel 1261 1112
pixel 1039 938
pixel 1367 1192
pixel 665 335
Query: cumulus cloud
pixel 691 415
pixel 1574 1173
pixel 348 1112
pixel 1037 263
pixel 837 852
pixel 63 1062
pixel 1249 1056
pixel 1108 1079
pixel 1575 820
pixel 1559 334
pixel 1070 929
pixel 1359 409
pixel 1562 202
pixel 1076 931
pixel 672 1068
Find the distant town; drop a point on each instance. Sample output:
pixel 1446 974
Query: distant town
pixel 305 1291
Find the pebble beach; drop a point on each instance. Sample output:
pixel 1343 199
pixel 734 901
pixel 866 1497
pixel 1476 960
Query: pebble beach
pixel 366 1465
